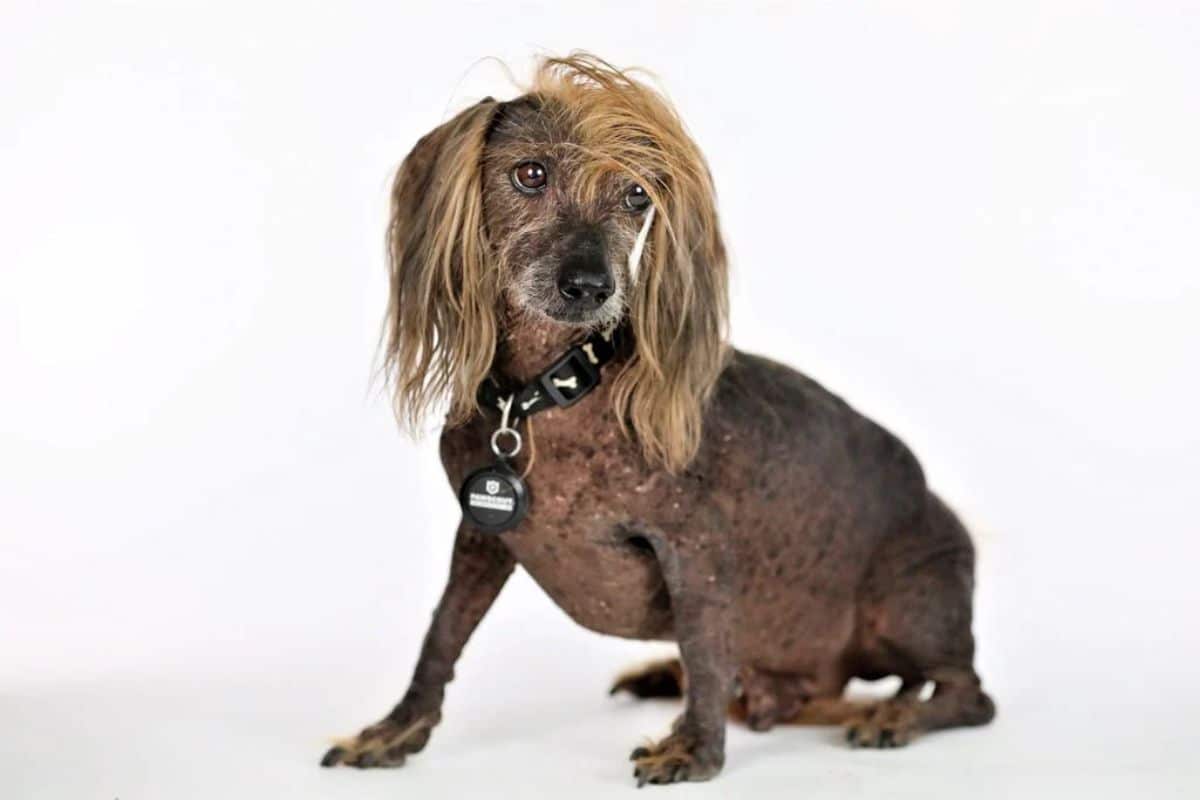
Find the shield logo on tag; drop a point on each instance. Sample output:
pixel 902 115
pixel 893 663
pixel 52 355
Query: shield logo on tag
pixel 494 498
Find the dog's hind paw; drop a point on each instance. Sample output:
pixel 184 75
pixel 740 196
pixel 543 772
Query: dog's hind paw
pixel 676 758
pixel 384 744
pixel 888 724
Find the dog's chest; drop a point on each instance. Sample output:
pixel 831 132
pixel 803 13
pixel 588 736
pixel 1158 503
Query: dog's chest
pixel 589 490
pixel 600 581
pixel 588 497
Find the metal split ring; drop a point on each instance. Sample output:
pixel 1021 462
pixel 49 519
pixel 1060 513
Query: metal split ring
pixel 496 442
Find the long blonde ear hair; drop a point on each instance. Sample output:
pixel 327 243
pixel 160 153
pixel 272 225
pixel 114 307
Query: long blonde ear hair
pixel 679 306
pixel 440 332
pixel 442 320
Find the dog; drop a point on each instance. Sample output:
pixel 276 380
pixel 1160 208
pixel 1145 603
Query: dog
pixel 686 491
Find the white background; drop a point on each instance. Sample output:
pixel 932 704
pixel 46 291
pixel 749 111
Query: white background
pixel 977 222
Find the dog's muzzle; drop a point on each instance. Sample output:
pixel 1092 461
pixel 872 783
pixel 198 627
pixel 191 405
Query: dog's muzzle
pixel 584 278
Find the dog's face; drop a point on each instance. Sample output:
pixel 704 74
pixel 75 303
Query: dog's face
pixel 542 206
pixel 562 233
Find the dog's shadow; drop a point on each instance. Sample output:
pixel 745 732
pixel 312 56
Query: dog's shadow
pixel 608 728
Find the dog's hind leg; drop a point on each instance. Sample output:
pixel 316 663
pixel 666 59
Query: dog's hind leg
pixel 957 700
pixel 917 617
pixel 478 570
pixel 761 699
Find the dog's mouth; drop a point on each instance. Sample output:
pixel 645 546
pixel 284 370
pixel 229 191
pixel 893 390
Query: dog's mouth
pixel 583 317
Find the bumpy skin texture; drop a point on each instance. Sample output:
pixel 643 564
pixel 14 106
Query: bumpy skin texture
pixel 800 549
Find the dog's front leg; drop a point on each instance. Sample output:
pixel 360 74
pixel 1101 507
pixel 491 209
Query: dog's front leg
pixel 478 569
pixel 700 581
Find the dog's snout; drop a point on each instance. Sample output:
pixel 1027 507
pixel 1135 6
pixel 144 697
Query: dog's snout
pixel 584 277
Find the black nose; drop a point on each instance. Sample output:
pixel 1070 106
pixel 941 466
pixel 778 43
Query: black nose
pixel 585 286
pixel 584 278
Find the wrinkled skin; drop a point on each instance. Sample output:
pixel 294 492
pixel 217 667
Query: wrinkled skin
pixel 800 548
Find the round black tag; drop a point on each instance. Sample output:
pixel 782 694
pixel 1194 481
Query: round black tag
pixel 494 498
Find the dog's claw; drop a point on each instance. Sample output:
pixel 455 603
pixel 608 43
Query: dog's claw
pixel 679 757
pixel 385 744
pixel 887 726
pixel 333 756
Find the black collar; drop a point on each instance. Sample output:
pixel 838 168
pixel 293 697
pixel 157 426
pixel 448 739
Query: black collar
pixel 562 384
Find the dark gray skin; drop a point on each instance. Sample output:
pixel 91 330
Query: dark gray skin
pixel 800 548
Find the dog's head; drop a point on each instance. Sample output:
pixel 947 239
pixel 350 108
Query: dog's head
pixel 583 203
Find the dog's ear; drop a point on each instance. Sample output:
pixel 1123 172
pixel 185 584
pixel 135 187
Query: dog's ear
pixel 440 332
pixel 679 312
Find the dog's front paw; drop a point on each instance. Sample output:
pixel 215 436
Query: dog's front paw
pixel 384 744
pixel 679 757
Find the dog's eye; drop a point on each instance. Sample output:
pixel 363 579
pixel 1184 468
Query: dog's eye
pixel 636 198
pixel 529 177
